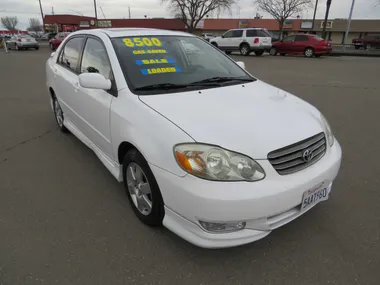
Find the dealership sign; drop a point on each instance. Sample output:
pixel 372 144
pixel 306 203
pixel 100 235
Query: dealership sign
pixel 288 24
pixel 243 24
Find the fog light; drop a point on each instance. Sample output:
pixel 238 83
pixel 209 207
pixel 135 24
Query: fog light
pixel 223 227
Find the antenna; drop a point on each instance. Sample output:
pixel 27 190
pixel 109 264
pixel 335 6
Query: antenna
pixel 101 9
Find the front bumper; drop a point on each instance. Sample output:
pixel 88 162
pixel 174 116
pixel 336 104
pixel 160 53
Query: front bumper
pixel 263 205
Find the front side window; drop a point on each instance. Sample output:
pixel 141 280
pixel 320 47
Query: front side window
pixel 95 59
pixel 174 61
pixel 229 34
pixel 70 53
pixel 288 39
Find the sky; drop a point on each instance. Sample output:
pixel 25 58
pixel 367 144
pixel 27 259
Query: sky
pixel 26 9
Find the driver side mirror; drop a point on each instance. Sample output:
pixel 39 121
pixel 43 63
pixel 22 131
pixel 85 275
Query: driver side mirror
pixel 94 81
pixel 241 64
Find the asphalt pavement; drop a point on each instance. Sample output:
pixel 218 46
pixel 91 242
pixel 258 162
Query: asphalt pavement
pixel 65 220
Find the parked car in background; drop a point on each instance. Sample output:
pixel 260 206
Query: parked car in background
pixel 238 158
pixel 244 40
pixel 57 40
pixel 368 42
pixel 19 42
pixel 207 37
pixel 307 44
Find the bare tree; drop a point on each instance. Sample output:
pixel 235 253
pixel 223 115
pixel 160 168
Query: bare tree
pixel 283 9
pixel 34 25
pixel 191 12
pixel 9 23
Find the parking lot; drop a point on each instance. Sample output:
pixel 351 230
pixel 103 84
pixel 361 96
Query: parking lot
pixel 65 220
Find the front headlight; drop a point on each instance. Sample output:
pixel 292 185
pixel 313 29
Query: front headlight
pixel 215 163
pixel 328 131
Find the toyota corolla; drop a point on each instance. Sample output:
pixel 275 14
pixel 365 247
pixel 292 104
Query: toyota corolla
pixel 203 147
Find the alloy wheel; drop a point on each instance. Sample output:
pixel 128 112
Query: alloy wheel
pixel 58 113
pixel 139 189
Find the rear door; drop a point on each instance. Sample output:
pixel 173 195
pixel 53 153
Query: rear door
pixel 300 43
pixel 66 72
pixel 237 38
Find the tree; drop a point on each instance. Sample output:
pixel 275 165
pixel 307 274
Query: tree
pixel 34 25
pixel 191 12
pixel 9 23
pixel 282 9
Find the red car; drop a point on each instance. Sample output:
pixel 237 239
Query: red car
pixel 56 41
pixel 309 45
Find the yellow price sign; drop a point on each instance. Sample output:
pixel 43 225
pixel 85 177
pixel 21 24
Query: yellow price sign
pixel 142 42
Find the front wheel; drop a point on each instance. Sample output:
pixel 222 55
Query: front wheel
pixel 273 51
pixel 259 53
pixel 142 189
pixel 309 52
pixel 245 50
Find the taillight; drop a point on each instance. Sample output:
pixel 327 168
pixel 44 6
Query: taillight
pixel 19 40
pixel 256 41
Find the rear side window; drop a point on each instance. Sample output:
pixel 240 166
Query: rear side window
pixel 70 53
pixel 237 34
pixel 251 33
pixel 262 33
pixel 301 38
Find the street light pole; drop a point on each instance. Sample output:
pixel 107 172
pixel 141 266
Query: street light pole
pixel 96 14
pixel 348 24
pixel 315 12
pixel 42 15
pixel 328 4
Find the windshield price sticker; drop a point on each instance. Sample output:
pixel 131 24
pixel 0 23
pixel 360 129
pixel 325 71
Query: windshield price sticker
pixel 160 70
pixel 155 61
pixel 149 51
pixel 142 42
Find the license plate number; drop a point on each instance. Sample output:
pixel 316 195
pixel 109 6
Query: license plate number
pixel 313 196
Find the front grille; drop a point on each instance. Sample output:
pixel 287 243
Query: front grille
pixel 293 158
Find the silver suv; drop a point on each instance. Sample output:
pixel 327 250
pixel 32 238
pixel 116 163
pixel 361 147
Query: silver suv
pixel 249 40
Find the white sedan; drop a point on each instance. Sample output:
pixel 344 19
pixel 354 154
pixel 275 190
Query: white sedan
pixel 204 148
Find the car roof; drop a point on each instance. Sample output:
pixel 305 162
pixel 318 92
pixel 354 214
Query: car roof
pixel 126 32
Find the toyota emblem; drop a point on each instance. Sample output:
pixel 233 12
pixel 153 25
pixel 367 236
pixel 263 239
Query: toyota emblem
pixel 307 155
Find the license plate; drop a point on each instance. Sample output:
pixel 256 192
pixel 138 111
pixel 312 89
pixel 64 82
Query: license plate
pixel 313 196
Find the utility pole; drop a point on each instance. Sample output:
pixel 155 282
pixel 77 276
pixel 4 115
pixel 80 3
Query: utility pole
pixel 129 11
pixel 96 14
pixel 52 10
pixel 315 12
pixel 42 16
pixel 348 24
pixel 328 4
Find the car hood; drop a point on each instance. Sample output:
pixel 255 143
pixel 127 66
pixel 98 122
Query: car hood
pixel 253 119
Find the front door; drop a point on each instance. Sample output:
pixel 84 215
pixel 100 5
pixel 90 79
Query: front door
pixel 287 44
pixel 226 40
pixel 94 105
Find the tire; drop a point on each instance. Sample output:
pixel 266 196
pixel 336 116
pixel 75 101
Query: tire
pixel 245 50
pixel 357 47
pixel 136 172
pixel 228 52
pixel 309 52
pixel 259 53
pixel 214 44
pixel 273 51
pixel 282 54
pixel 59 117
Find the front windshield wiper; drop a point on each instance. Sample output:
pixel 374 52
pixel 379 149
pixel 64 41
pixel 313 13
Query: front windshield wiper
pixel 161 86
pixel 220 79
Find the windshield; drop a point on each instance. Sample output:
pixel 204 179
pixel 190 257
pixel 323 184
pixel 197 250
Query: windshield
pixel 153 65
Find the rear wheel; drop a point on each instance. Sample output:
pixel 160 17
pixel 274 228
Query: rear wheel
pixel 244 50
pixel 59 117
pixel 259 53
pixel 142 189
pixel 309 52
